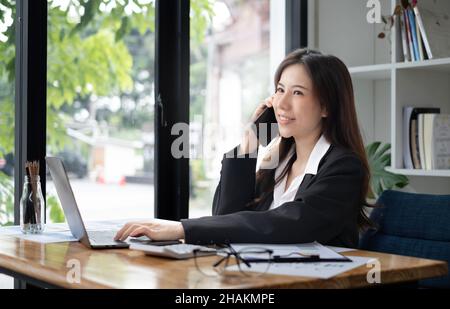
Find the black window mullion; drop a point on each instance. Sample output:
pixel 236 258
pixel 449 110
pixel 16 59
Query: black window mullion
pixel 172 106
pixel 30 95
pixel 31 83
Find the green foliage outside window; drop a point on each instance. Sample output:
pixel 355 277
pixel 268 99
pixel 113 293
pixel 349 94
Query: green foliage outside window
pixel 88 55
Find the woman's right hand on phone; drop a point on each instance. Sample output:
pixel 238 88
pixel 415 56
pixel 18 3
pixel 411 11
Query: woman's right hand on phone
pixel 268 102
pixel 249 142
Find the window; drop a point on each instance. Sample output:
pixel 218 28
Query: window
pixel 100 105
pixel 230 74
pixel 7 88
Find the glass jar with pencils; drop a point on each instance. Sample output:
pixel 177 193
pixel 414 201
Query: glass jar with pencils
pixel 32 205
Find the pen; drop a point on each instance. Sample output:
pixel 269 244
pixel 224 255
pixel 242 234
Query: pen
pixel 309 259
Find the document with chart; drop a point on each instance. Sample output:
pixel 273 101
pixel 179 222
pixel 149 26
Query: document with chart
pixel 321 269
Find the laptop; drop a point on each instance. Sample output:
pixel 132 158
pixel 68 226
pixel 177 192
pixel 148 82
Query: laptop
pixel 91 239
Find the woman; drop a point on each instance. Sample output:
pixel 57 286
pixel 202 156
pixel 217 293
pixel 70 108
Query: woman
pixel 316 193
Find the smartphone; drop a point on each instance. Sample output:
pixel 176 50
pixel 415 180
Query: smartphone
pixel 268 117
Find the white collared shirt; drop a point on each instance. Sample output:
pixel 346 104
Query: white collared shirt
pixel 279 195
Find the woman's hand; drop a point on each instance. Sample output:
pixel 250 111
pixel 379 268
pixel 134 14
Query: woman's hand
pixel 155 229
pixel 268 102
pixel 249 142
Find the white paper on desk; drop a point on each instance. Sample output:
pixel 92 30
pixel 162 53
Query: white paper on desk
pixel 291 250
pixel 322 270
pixel 60 232
pixel 48 237
pixel 53 233
pixel 15 229
pixel 340 249
pixel 10 230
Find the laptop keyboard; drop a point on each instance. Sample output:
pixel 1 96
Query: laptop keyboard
pixel 102 236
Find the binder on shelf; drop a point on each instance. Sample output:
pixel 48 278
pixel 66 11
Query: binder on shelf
pixel 416 146
pixel 407 155
pixel 413 145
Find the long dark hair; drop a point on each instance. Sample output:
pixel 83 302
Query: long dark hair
pixel 333 87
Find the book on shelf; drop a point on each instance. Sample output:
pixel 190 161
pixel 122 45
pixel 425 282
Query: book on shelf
pixel 436 141
pixel 422 31
pixel 400 46
pixel 413 145
pixel 434 24
pixel 419 40
pixel 403 38
pixel 408 34
pixel 427 139
pixel 412 27
pixel 414 156
pixel 407 157
pixel 421 143
pixel 440 149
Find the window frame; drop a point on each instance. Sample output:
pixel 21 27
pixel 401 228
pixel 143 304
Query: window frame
pixel 296 28
pixel 172 52
pixel 31 91
pixel 30 97
pixel 172 106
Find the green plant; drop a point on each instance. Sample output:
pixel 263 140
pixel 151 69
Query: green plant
pixel 54 210
pixel 198 170
pixel 91 56
pixel 379 158
pixel 6 200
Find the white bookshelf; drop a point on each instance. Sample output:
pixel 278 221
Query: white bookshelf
pixel 371 72
pixel 383 71
pixel 418 172
pixel 442 65
pixel 382 85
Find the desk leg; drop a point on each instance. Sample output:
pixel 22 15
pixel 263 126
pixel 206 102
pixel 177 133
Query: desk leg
pixel 22 285
pixel 22 281
pixel 400 285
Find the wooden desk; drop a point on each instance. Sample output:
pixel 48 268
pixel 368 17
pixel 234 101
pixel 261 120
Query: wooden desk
pixel 46 265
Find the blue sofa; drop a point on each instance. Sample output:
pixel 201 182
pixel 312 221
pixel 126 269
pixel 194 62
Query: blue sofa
pixel 412 224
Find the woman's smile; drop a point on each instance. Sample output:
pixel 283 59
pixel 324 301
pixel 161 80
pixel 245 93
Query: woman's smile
pixel 284 120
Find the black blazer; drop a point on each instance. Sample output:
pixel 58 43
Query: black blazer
pixel 325 208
